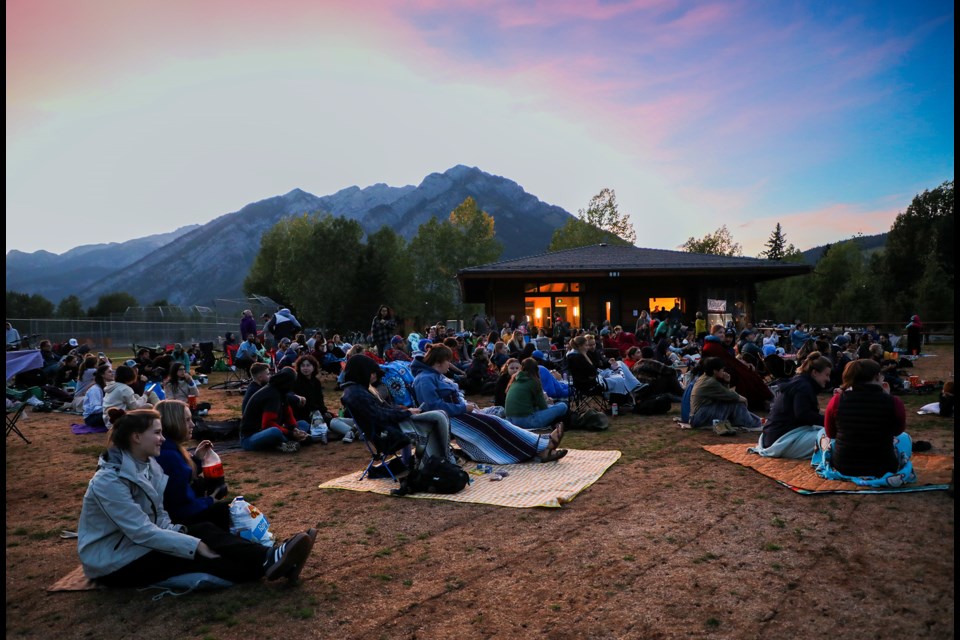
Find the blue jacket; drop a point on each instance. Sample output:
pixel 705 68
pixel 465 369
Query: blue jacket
pixel 553 387
pixel 435 391
pixel 179 499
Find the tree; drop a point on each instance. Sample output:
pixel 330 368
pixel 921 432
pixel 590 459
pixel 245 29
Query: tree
pixel 24 305
pixel 777 247
pixel 922 233
pixel 719 243
pixel 309 262
pixel 70 307
pixel 385 273
pixel 116 302
pixel 440 249
pixel 600 222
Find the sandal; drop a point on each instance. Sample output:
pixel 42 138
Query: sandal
pixel 551 455
pixel 555 437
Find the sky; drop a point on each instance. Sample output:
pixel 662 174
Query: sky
pixel 129 118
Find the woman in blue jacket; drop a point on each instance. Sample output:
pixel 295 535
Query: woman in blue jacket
pixel 180 497
pixel 484 437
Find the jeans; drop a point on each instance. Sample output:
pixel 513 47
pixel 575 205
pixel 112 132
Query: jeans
pixel 264 440
pixel 540 419
pixel 620 381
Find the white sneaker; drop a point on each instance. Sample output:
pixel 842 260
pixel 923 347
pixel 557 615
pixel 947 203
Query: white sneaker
pixel 288 447
pixel 347 439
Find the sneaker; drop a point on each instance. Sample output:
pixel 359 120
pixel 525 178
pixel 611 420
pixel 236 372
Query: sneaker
pixel 287 557
pixel 288 447
pixel 294 573
pixel 347 439
pixel 724 428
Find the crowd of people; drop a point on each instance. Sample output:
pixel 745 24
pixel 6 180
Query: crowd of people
pixel 148 500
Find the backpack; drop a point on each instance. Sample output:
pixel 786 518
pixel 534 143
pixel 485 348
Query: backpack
pixel 657 405
pixel 216 430
pixel 590 420
pixel 434 475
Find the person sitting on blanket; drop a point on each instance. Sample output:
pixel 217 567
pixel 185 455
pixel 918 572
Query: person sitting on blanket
pixel 526 406
pixel 713 399
pixel 126 538
pixel 93 398
pixel 482 436
pixel 267 422
pixel 309 388
pixel 382 423
pixel 186 498
pixel 795 419
pixel 864 426
pixel 119 394
pixel 658 377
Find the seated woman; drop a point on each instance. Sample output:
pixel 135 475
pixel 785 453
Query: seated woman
pixel 484 437
pixel 658 377
pixel 118 394
pixel 586 375
pixel 181 386
pixel 515 343
pixel 267 422
pixel 863 437
pixel 507 371
pixel 795 419
pixel 126 537
pixel 386 425
pixel 481 376
pixel 185 497
pixel 93 398
pixel 309 387
pixel 526 406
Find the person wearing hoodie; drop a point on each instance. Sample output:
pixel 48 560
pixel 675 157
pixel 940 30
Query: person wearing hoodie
pixel 267 422
pixel 484 437
pixel 526 405
pixel 282 325
pixel 385 424
pixel 119 394
pixel 126 538
pixel 93 398
pixel 248 324
pixel 914 335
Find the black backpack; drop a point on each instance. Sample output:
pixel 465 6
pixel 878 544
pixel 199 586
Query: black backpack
pixel 434 475
pixel 216 429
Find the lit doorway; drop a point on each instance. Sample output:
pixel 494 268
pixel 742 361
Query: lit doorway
pixel 664 304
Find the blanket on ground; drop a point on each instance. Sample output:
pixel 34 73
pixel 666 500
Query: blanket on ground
pixel 529 484
pixel 933 472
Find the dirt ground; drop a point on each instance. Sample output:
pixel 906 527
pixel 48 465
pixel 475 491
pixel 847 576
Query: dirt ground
pixel 672 542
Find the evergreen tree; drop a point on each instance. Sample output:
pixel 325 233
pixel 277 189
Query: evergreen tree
pixel 777 247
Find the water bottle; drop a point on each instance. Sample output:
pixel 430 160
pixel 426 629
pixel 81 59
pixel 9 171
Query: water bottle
pixel 213 479
pixel 318 428
pixel 614 409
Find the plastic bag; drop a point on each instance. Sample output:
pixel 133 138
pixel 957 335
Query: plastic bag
pixel 249 523
pixel 318 427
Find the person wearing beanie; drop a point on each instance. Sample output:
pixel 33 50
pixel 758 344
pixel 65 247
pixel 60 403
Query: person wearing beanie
pixel 268 422
pixel 397 350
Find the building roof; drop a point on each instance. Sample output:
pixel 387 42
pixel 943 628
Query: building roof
pixel 632 260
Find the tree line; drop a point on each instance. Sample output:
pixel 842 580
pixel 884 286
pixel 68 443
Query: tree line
pixel 912 274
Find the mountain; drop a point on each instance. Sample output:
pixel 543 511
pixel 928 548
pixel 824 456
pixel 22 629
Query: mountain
pixel 56 276
pixel 867 244
pixel 211 261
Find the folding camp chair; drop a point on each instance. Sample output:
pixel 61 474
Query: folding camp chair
pixel 238 377
pixel 382 454
pixel 13 416
pixel 593 397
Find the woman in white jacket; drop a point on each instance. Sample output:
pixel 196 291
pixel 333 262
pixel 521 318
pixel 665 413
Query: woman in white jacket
pixel 119 395
pixel 126 538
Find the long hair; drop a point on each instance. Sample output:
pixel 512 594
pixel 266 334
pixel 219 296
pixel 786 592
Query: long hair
pixel 530 367
pixel 127 423
pixel 506 365
pixel 579 341
pixel 98 376
pixel 173 419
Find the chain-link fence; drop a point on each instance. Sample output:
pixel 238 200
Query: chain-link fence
pixel 104 335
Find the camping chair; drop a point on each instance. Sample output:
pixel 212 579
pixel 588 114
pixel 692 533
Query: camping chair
pixel 238 377
pixel 13 416
pixel 592 397
pixel 381 453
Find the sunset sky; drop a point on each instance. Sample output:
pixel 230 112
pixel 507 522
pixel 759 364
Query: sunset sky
pixel 127 117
